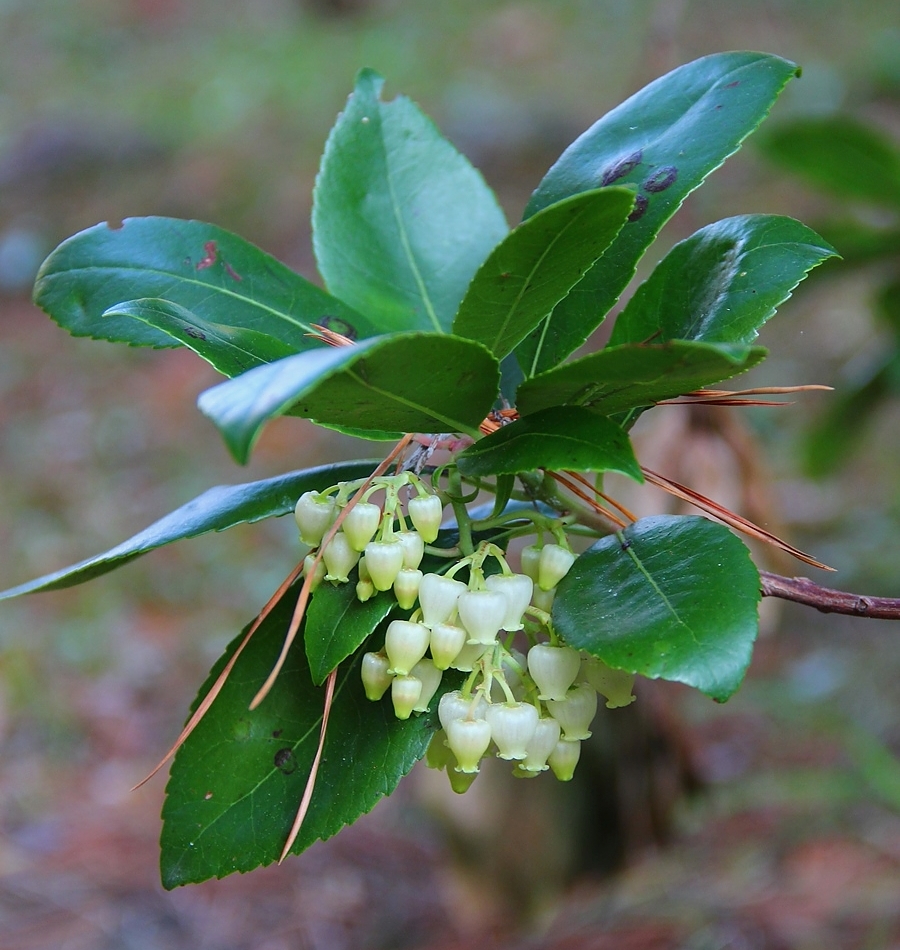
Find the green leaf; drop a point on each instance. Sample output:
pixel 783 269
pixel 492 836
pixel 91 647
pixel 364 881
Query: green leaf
pixel 633 375
pixel 670 598
pixel 401 220
pixel 840 154
pixel 231 350
pixel 215 510
pixel 536 265
pixel 665 140
pixel 337 624
pixel 237 781
pixel 218 276
pixel 722 283
pixel 417 382
pixel 561 438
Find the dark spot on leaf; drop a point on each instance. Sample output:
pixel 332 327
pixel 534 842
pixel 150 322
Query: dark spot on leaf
pixel 339 326
pixel 719 106
pixel 232 273
pixel 285 761
pixel 194 333
pixel 276 733
pixel 506 274
pixel 660 180
pixel 115 225
pixel 640 206
pixel 209 258
pixel 187 262
pixel 621 167
pixel 731 85
pixel 625 545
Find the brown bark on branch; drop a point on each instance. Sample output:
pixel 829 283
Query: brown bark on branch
pixel 804 591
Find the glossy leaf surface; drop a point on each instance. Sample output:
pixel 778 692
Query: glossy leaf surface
pixel 564 437
pixel 411 383
pixel 671 598
pixel 536 265
pixel 401 220
pixel 215 510
pixel 722 283
pixel 231 350
pixel 625 377
pixel 665 140
pixel 215 274
pixel 237 781
pixel 337 624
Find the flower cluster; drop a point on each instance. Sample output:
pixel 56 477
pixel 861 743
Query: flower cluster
pixel 532 708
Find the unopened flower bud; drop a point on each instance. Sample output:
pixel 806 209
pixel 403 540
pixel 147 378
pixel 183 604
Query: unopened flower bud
pixel 406 587
pixel 314 514
pixel 563 759
pixel 365 590
pixel 310 564
pixel 553 669
pixel 438 756
pixel 426 513
pixel 530 559
pixel 430 677
pixel 375 676
pixel 360 524
pixel 405 692
pixel 554 564
pixel 481 612
pixel 468 740
pixel 461 782
pixel 405 644
pixel 543 599
pixel 447 640
pixel 517 589
pixel 512 728
pixel 413 548
pixel 437 598
pixel 576 712
pixel 383 561
pixel 340 558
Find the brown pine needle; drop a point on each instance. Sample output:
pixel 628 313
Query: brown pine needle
pixel 305 590
pixel 726 397
pixel 314 771
pixel 605 512
pixel 728 517
pixel 324 335
pixel 216 688
pixel 576 476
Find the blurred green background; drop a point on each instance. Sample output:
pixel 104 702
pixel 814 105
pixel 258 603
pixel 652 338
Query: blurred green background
pixel 219 111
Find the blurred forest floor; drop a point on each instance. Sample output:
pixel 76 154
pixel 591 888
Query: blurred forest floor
pixel 770 822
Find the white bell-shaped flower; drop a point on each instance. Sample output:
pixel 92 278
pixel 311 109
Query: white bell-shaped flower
pixel 517 589
pixel 405 644
pixel 543 599
pixel 614 685
pixel 375 676
pixel 447 639
pixel 468 740
pixel 469 655
pixel 512 728
pixel 340 558
pixel 430 677
pixel 454 705
pixel 530 559
pixel 317 568
pixel 576 712
pixel 405 692
pixel 543 742
pixel 554 564
pixel 426 513
pixel 360 524
pixel 482 613
pixel 553 669
pixel 314 514
pixel 437 598
pixel 563 759
pixel 413 548
pixel 406 587
pixel 383 561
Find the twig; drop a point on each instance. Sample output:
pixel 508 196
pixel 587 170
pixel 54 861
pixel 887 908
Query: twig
pixel 804 591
